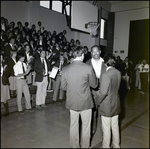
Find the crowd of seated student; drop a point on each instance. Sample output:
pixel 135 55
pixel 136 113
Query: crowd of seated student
pixel 21 39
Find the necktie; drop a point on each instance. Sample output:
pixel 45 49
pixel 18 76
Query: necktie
pixel 60 65
pixel 23 70
pixel 43 66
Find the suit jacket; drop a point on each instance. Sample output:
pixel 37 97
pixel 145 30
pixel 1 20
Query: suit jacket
pixel 94 91
pixel 108 94
pixel 38 68
pixel 7 50
pixel 76 79
pixel 125 69
pixel 5 76
pixel 11 64
pixel 2 46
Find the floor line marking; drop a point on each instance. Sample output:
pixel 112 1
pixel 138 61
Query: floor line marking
pixel 133 120
pixel 126 125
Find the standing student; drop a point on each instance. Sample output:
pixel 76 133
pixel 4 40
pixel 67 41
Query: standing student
pixel 144 76
pixel 20 71
pixel 99 67
pixel 60 63
pixel 77 78
pixel 137 77
pixel 9 47
pixel 126 71
pixel 42 69
pixel 5 94
pixel 109 101
pixel 12 79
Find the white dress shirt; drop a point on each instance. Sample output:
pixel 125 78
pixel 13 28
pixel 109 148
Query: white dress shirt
pixel 1 70
pixel 11 45
pixel 18 69
pixel 28 56
pixel 3 26
pixel 14 60
pixel 146 68
pixel 97 65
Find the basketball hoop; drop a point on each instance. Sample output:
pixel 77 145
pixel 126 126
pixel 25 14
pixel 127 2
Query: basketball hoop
pixel 93 26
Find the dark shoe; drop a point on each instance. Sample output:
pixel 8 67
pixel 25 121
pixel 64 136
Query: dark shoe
pixel 6 114
pixel 38 107
pixel 142 92
pixel 60 100
pixel 29 110
pixel 43 106
pixel 31 102
pixel 54 102
pixel 20 112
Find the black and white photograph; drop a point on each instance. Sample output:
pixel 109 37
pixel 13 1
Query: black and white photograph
pixel 74 74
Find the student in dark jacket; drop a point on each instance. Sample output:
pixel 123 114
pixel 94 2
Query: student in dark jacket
pixel 12 79
pixel 42 70
pixel 109 102
pixel 5 94
pixel 9 47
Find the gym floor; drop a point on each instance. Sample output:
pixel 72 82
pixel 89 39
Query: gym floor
pixel 49 128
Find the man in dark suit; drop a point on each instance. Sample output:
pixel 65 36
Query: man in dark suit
pixel 77 78
pixel 109 101
pixel 126 71
pixel 42 70
pixel 5 94
pixel 99 67
pixel 12 79
pixel 9 47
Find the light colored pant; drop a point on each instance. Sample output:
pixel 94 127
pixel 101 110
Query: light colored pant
pixel 41 91
pixel 12 82
pixel 138 81
pixel 22 87
pixel 58 89
pixel 108 124
pixel 74 128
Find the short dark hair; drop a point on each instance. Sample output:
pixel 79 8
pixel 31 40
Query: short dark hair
pixel 95 46
pixel 118 56
pixel 12 37
pixel 26 23
pixel 108 56
pixel 26 45
pixel 78 51
pixel 21 54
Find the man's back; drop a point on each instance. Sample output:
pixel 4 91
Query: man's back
pixel 77 79
pixel 110 106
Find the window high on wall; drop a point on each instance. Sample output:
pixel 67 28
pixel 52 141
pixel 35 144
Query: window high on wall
pixel 45 4
pixel 103 30
pixel 57 6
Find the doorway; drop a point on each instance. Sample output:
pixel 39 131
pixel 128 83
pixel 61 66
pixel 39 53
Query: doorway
pixel 138 43
pixel 139 40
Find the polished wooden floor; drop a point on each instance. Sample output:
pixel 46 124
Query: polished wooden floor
pixel 49 128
